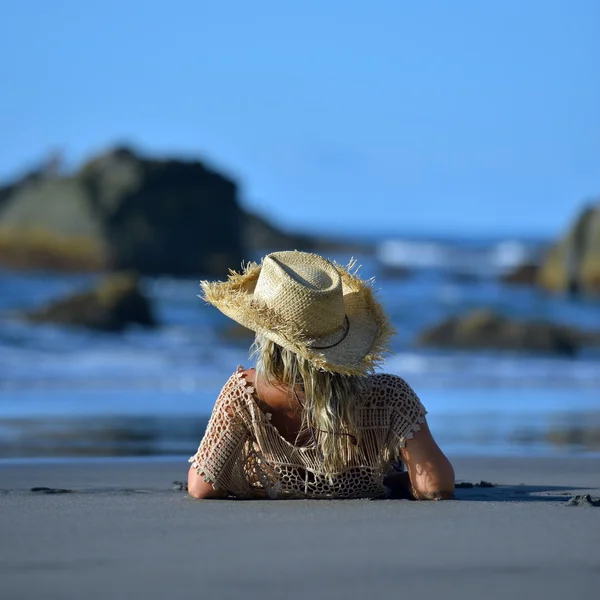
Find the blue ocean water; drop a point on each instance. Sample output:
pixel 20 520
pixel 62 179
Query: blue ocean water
pixel 66 392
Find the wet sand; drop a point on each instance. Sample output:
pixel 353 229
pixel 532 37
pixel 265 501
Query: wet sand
pixel 123 530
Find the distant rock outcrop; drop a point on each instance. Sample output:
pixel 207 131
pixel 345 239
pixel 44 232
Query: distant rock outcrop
pixel 525 274
pixel 486 329
pixel 573 263
pixel 123 211
pixel 113 305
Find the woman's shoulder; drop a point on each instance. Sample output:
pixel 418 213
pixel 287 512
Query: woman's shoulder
pixel 389 390
pixel 236 397
pixel 389 380
pixel 237 385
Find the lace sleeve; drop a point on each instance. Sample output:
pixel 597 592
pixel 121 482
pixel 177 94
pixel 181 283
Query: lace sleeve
pixel 219 459
pixel 407 413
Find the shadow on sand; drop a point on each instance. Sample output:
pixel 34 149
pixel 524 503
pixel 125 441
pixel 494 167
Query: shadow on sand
pixel 517 493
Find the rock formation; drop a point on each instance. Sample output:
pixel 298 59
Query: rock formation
pixel 124 211
pixel 484 328
pixel 525 274
pixel 573 263
pixel 113 305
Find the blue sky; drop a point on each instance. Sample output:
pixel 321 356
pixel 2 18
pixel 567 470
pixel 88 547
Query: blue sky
pixel 453 117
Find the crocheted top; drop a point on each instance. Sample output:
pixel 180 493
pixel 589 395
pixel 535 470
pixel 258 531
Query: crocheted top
pixel 244 454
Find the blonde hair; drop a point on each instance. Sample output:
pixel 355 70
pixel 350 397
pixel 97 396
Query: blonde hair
pixel 329 402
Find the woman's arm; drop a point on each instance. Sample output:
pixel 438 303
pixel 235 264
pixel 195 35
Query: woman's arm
pixel 221 448
pixel 430 473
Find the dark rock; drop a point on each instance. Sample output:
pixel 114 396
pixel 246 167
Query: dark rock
pixel 573 264
pixel 123 211
pixel 584 500
pixel 114 304
pixel 526 274
pixel 468 485
pixel 486 329
pixel 47 490
pixel 180 486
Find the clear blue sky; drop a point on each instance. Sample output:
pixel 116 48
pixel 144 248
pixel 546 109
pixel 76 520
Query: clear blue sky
pixel 399 115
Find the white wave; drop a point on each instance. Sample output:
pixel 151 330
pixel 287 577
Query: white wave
pixel 404 253
pixel 477 259
pixel 508 254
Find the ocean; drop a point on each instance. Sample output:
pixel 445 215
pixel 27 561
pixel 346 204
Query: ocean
pixel 78 393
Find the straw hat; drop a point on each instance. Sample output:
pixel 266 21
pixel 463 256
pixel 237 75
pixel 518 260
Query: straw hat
pixel 307 304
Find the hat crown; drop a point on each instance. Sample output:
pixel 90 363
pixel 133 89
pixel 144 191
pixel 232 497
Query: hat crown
pixel 305 289
pixel 316 309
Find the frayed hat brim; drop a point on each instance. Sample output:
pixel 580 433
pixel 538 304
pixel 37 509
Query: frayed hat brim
pixel 362 349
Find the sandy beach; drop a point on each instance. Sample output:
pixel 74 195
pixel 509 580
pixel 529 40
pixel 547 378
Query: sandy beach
pixel 122 529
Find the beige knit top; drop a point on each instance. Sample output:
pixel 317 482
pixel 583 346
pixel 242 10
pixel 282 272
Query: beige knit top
pixel 244 454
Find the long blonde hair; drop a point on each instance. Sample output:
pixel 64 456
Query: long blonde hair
pixel 329 399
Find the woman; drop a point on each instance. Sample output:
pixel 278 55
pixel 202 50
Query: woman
pixel 313 420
